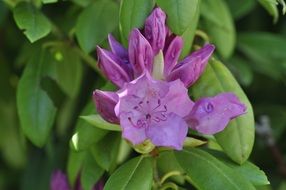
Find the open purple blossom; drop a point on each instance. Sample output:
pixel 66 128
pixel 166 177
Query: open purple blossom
pixel 152 102
pixel 154 110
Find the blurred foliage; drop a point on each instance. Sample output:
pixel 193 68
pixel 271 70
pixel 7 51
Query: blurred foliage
pixel 48 71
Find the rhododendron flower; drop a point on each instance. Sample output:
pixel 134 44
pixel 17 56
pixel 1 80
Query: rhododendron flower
pixel 152 102
pixel 122 65
pixel 154 110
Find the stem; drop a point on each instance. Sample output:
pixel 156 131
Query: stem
pixel 170 174
pixel 202 35
pixel 156 175
pixel 88 59
pixel 169 185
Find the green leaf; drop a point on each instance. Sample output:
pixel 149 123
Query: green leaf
pixel 241 69
pixel 248 170
pixel 201 167
pixel 83 3
pixel 91 173
pixel 74 165
pixel 86 134
pixel 189 35
pixel 256 47
pixel 240 8
pixel 219 24
pixel 34 24
pixel 106 150
pixel 238 137
pixel 132 15
pixel 166 162
pixel 135 174
pixel 95 22
pixel 180 13
pixel 36 110
pixel 69 69
pixel 3 12
pixel 98 122
pixel 271 7
pixel 49 1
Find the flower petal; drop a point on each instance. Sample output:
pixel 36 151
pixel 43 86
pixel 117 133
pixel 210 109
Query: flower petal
pixel 172 54
pixel 105 103
pixel 177 99
pixel 117 48
pixel 155 31
pixel 140 53
pixel 211 115
pixel 110 66
pixel 130 131
pixel 59 181
pixel 169 133
pixel 191 68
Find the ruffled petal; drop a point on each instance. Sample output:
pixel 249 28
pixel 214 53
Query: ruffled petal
pixel 169 133
pixel 172 54
pixel 211 115
pixel 177 99
pixel 155 31
pixel 191 68
pixel 140 53
pixel 130 130
pixel 109 64
pixel 105 103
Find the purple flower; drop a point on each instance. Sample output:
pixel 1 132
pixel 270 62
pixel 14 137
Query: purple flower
pixel 152 103
pixel 211 115
pixel 154 110
pixel 59 181
pixel 105 103
pixel 121 65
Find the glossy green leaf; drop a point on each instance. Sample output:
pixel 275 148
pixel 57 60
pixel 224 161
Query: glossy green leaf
pixel 166 162
pixel 69 69
pixel 36 110
pixel 271 7
pixel 34 24
pixel 248 170
pixel 135 174
pixel 238 137
pixel 206 172
pixel 74 165
pixel 86 134
pixel 256 47
pixel 132 15
pixel 219 25
pixel 189 35
pixel 95 22
pixel 91 172
pixel 180 13
pixel 98 122
pixel 106 150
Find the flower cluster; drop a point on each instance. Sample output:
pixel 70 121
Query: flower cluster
pixel 152 102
